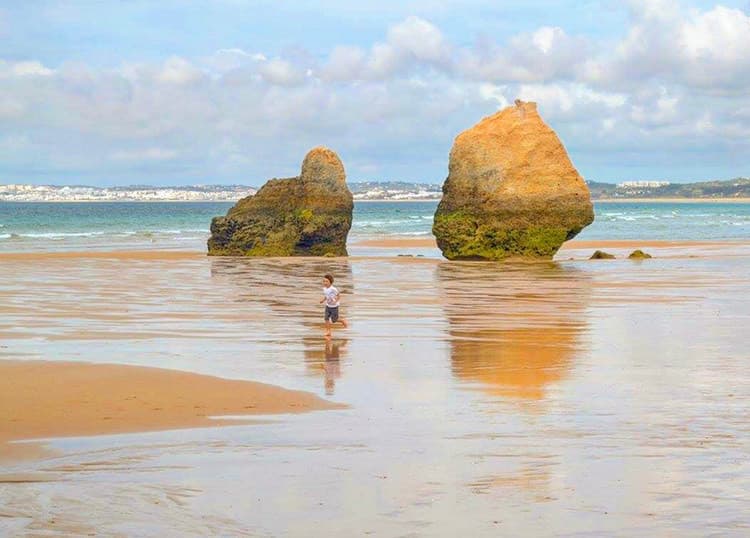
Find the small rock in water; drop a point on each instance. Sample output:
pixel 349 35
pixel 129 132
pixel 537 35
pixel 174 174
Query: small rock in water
pixel 601 255
pixel 639 255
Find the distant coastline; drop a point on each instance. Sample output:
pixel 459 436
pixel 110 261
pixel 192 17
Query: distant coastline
pixel 134 193
pixel 403 198
pixel 653 191
pixel 730 191
pixel 743 200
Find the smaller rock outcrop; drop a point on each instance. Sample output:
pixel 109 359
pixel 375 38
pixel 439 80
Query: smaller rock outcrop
pixel 639 255
pixel 308 215
pixel 601 255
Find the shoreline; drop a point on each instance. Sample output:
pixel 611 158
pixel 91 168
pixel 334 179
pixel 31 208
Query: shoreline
pixel 674 200
pixel 56 399
pixel 429 242
pixel 123 255
pixel 613 200
pixel 120 201
pixel 431 200
pixel 385 243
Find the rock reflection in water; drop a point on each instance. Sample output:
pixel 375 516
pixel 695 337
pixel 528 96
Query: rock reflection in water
pixel 514 330
pixel 324 357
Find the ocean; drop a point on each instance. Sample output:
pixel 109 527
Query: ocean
pixel 30 226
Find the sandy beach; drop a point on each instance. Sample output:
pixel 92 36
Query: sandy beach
pixel 598 397
pixel 41 400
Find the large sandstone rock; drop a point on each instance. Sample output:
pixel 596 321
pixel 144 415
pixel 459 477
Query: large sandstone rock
pixel 511 190
pixel 309 215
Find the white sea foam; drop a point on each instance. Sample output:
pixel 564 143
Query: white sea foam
pixel 381 223
pixel 99 233
pixel 60 235
pixel 177 232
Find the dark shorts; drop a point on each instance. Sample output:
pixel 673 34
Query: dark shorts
pixel 332 313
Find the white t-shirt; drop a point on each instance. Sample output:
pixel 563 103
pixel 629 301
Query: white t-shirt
pixel 332 296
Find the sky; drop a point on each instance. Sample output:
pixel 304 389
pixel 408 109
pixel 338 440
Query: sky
pixel 237 91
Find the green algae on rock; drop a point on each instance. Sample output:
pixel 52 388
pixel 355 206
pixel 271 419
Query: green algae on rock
pixel 601 255
pixel 511 191
pixel 639 255
pixel 309 215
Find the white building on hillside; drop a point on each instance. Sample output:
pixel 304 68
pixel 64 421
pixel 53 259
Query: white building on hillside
pixel 642 184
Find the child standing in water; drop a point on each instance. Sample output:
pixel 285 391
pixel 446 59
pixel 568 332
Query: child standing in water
pixel 332 300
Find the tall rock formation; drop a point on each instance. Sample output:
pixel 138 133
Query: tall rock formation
pixel 309 215
pixel 511 191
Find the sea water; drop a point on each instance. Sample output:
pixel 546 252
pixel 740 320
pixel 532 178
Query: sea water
pixel 31 226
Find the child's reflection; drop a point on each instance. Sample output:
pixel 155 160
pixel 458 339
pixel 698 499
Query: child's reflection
pixel 326 356
pixel 332 365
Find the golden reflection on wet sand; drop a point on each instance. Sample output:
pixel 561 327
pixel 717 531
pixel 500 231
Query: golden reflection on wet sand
pixel 514 331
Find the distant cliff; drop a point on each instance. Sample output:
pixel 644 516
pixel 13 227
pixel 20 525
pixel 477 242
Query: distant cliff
pixel 733 188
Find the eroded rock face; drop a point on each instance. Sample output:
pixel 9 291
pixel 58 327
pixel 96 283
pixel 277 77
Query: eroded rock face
pixel 511 191
pixel 309 215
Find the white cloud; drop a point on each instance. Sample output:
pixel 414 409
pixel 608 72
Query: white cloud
pixel 716 44
pixel 701 49
pixel 492 92
pixel 255 56
pixel 224 60
pixel 384 61
pixel 546 54
pixel 545 37
pixel 281 72
pixel 179 71
pixel 571 100
pixel 344 63
pixel 668 84
pixel 419 38
pixel 24 69
pixel 655 108
pixel 411 44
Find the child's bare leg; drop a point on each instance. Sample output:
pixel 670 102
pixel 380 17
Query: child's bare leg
pixel 343 322
pixel 328 328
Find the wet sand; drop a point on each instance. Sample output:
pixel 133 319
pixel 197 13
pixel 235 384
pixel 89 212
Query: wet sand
pixel 394 243
pixel 389 246
pixel 121 255
pixel 40 399
pixel 574 398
